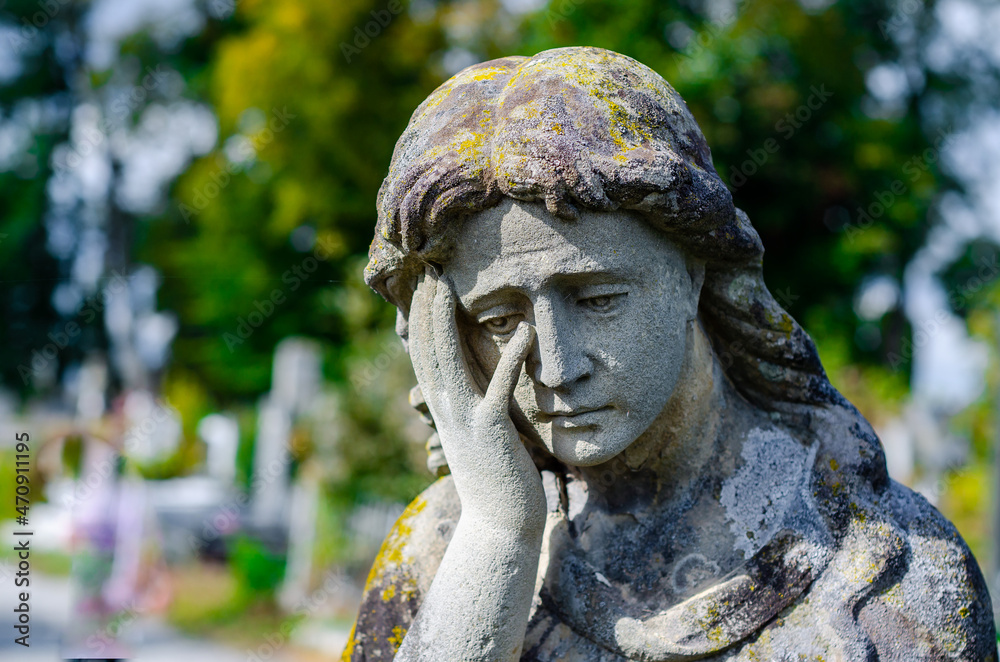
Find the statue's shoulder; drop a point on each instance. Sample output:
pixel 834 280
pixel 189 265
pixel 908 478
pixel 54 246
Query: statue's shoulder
pixel 402 573
pixel 939 604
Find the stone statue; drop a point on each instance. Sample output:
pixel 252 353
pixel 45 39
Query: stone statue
pixel 647 461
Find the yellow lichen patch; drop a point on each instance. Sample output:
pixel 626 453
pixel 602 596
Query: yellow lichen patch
pixel 485 118
pixel 349 648
pixel 438 96
pixel 434 100
pixel 408 588
pixel 584 71
pixel 468 145
pixel 489 73
pixel 781 322
pixel 894 597
pixel 868 563
pixel 709 620
pixel 390 555
pixel 527 111
pixel 834 464
pixel 388 593
pixel 397 638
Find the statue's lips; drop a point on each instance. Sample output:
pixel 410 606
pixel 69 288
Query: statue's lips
pixel 575 418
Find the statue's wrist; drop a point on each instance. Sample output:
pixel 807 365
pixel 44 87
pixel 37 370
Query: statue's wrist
pixel 524 518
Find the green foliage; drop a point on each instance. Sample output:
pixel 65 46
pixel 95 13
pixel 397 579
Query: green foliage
pixel 804 179
pixel 54 78
pixel 338 122
pixel 7 487
pixel 973 289
pixel 26 267
pixel 247 421
pixel 258 570
pixel 375 429
pixel 72 455
pixel 779 91
pixel 839 189
pixel 962 502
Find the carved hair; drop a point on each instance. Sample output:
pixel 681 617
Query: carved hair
pixel 587 128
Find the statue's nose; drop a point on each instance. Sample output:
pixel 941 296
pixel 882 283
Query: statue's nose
pixel 558 359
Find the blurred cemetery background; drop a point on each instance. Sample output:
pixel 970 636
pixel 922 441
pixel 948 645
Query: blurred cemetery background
pixel 218 405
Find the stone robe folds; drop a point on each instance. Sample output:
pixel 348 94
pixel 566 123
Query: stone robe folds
pixel 845 572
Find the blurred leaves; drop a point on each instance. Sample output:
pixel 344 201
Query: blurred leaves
pixel 771 71
pixel 258 569
pixel 265 236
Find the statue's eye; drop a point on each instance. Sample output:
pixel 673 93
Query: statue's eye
pixel 603 303
pixel 501 325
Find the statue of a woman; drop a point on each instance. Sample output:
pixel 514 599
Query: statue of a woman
pixel 647 460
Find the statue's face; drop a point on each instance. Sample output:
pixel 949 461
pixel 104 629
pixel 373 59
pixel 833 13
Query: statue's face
pixel 610 299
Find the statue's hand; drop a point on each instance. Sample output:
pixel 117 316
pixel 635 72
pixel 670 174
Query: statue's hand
pixel 496 480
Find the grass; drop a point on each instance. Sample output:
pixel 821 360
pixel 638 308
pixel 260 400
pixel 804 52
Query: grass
pixel 56 564
pixel 210 602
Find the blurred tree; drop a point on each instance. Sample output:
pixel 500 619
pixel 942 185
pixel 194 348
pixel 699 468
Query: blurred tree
pixel 794 98
pixel 825 168
pixel 264 236
pixel 81 95
pixel 825 118
pixel 34 118
pixel 309 108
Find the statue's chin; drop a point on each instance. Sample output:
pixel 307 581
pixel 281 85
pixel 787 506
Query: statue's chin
pixel 584 447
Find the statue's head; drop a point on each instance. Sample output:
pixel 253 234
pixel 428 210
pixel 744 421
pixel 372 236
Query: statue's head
pixel 611 300
pixel 575 190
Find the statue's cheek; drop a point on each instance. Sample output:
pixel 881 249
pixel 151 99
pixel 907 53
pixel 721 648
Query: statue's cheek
pixel 483 353
pixel 488 350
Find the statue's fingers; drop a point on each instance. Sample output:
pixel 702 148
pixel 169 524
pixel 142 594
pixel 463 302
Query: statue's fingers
pixel 413 322
pixel 479 375
pixel 418 402
pixel 422 334
pixel 508 369
pixel 447 343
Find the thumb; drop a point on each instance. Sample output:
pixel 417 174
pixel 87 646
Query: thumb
pixel 501 387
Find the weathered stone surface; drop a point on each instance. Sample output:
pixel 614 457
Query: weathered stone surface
pixel 895 589
pixel 648 461
pixel 402 573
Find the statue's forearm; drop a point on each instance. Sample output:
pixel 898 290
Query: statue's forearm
pixel 477 607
